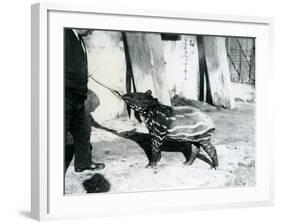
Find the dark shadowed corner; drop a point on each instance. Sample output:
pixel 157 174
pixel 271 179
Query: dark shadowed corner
pixel 68 156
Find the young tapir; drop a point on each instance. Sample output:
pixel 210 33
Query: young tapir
pixel 163 122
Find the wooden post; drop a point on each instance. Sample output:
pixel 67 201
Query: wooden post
pixel 218 71
pixel 147 59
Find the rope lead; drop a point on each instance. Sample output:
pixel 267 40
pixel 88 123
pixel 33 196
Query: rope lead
pixel 114 92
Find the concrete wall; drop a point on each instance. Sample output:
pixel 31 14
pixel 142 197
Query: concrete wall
pixel 182 66
pixel 148 65
pixel 106 61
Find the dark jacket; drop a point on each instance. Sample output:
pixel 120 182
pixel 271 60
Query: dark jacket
pixel 75 64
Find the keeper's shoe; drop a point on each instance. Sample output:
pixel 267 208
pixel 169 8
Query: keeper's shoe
pixel 91 167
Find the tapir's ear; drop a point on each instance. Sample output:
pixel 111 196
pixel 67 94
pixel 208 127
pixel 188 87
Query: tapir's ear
pixel 148 92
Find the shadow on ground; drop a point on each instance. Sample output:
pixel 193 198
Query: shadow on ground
pixel 143 140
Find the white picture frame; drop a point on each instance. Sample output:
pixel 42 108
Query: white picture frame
pixel 48 201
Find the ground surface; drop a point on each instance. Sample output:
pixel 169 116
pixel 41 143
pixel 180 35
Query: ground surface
pixel 122 145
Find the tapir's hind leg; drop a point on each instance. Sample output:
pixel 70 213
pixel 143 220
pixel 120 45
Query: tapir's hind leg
pixel 194 152
pixel 211 151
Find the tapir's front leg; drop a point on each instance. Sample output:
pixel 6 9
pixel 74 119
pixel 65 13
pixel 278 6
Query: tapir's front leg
pixel 155 152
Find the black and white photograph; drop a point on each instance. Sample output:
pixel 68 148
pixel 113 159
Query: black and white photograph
pixel 148 111
pixel 133 112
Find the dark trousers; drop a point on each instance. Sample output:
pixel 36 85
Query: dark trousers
pixel 76 122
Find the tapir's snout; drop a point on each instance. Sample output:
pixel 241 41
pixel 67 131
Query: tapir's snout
pixel 127 97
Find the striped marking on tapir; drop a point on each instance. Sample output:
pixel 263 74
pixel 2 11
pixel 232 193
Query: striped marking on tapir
pixel 189 128
pixel 186 124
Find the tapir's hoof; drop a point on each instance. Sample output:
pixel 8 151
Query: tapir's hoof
pixel 151 165
pixel 187 163
pixel 214 167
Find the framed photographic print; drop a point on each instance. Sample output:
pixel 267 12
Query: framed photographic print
pixel 148 111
